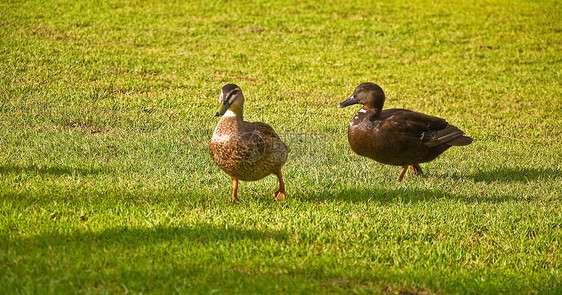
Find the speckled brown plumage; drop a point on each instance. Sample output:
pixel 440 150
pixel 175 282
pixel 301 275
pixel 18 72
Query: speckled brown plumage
pixel 246 151
pixel 397 136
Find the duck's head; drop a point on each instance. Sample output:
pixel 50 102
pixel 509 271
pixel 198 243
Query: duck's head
pixel 370 95
pixel 231 99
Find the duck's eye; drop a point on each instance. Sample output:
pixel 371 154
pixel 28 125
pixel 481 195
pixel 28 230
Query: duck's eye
pixel 232 96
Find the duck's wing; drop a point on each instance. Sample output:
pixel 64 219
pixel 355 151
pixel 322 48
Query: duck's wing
pixel 267 133
pixel 431 130
pixel 410 122
pixel 450 135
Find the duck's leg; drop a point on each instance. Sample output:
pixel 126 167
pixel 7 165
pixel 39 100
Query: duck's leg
pixel 416 170
pixel 402 172
pixel 280 193
pixel 235 191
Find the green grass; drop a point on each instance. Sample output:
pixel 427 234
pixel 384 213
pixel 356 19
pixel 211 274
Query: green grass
pixel 106 185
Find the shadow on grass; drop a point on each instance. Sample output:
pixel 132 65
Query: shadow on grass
pixel 401 194
pixel 199 233
pixel 203 257
pixel 42 170
pixel 192 198
pixel 510 174
pixel 324 193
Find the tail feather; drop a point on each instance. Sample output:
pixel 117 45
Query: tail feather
pixel 463 140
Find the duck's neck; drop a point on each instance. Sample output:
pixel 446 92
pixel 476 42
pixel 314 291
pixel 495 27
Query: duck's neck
pixel 374 112
pixel 235 112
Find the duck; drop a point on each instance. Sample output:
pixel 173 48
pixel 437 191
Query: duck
pixel 246 151
pixel 397 137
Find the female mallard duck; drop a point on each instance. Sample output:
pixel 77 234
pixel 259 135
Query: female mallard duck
pixel 245 151
pixel 397 136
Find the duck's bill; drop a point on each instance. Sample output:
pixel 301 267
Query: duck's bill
pixel 222 108
pixel 350 101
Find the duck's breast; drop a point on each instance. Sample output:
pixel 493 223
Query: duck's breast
pixel 244 150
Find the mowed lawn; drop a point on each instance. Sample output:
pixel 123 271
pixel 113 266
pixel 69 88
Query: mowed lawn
pixel 106 184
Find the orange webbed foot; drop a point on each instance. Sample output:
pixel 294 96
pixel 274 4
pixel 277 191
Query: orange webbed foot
pixel 416 170
pixel 279 195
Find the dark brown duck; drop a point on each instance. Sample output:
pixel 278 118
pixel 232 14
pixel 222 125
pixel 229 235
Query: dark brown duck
pixel 397 136
pixel 246 151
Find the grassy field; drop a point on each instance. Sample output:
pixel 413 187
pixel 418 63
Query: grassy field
pixel 106 111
